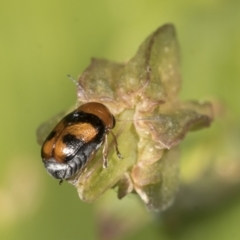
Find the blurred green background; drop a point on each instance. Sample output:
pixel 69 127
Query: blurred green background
pixel 43 41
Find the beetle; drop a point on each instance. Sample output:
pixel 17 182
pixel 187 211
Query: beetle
pixel 76 138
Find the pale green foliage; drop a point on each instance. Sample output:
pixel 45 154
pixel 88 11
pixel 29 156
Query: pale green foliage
pixel 151 121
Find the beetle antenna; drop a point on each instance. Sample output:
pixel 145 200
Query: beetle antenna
pixel 81 95
pixel 73 79
pixel 139 119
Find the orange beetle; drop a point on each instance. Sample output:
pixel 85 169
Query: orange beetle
pixel 76 138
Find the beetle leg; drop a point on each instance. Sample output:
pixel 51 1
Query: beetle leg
pixel 105 152
pixel 116 146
